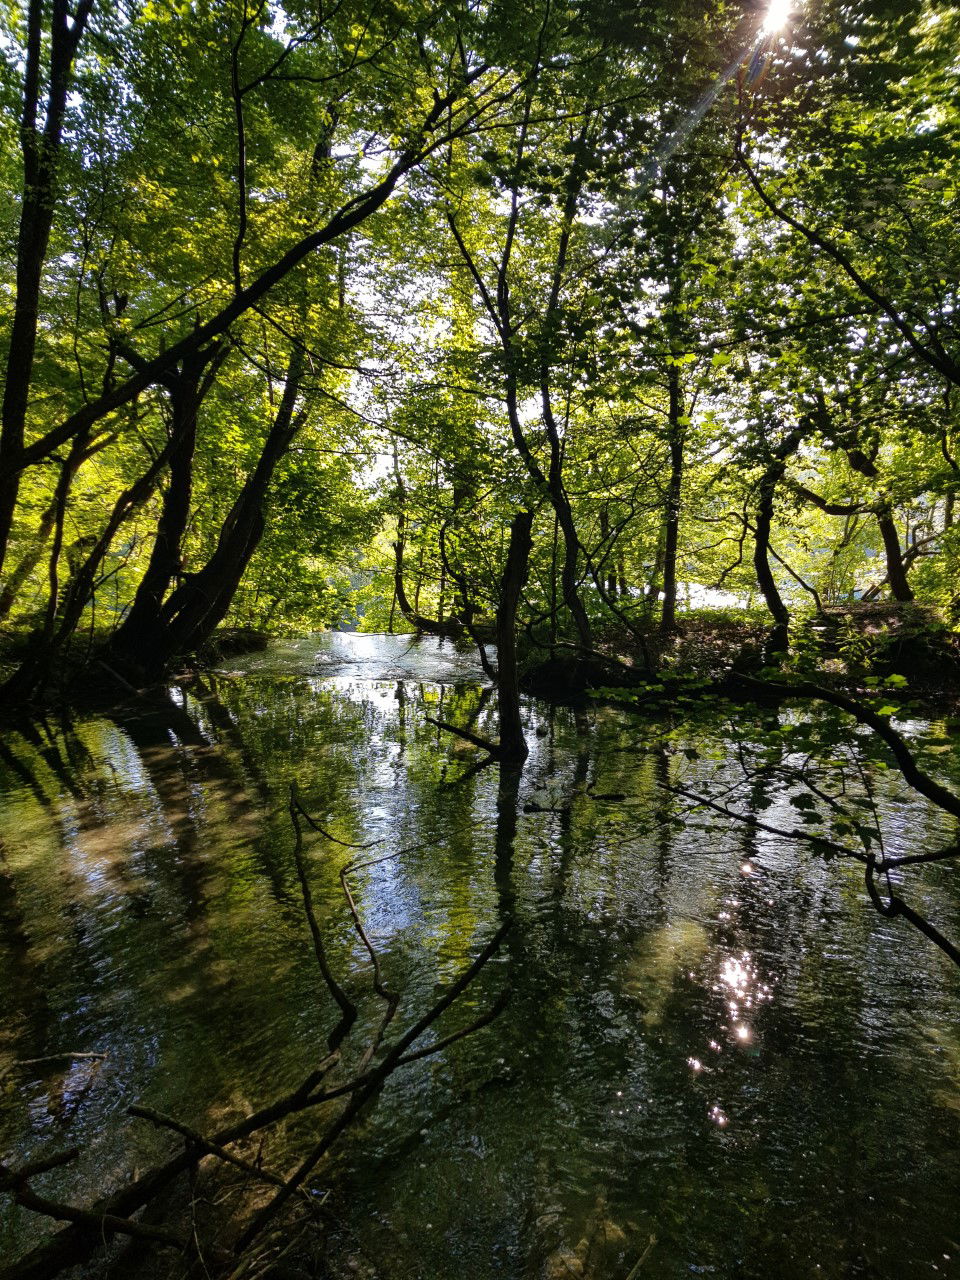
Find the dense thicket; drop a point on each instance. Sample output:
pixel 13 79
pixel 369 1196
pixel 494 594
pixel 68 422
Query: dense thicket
pixel 571 314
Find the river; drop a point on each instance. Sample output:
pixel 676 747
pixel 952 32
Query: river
pixel 717 1060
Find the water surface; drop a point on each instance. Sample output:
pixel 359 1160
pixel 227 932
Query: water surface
pixel 714 1043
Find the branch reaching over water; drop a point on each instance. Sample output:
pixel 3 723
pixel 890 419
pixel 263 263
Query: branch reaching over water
pixel 916 777
pixel 894 905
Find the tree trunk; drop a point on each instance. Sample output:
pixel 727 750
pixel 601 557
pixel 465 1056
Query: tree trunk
pixel 896 569
pixel 513 745
pixel 410 611
pixel 40 146
pixel 201 601
pixel 671 524
pixel 611 572
pixel 138 641
pixel 779 637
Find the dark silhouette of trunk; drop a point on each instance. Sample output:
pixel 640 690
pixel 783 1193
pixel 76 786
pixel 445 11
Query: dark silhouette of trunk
pixel 900 588
pixel 610 574
pixel 199 604
pixel 466 610
pixel 671 523
pixel 779 637
pixel 422 624
pixel 569 572
pixel 513 745
pixel 554 620
pixel 508 804
pixel 896 568
pixel 416 619
pixel 41 135
pixel 138 642
pixel 652 591
pixel 499 306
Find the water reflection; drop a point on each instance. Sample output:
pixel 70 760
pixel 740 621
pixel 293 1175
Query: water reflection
pixel 712 1041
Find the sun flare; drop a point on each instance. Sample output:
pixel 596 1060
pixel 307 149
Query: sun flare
pixel 778 15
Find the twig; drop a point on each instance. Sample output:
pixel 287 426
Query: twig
pixel 438 1046
pixel 204 1144
pixel 807 837
pixel 895 906
pixel 377 1077
pixel 53 1057
pixel 916 777
pixel 635 1269
pixel 115 675
pixel 892 908
pixel 88 1229
pixel 378 986
pixel 16 1183
pixel 10 1177
pixel 295 799
pixel 347 1008
pixel 391 998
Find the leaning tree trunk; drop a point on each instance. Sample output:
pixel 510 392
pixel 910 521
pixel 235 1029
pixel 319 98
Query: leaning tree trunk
pixel 138 642
pixel 136 636
pixel 201 601
pixel 900 588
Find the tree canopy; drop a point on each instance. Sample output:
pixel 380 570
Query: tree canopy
pixel 304 307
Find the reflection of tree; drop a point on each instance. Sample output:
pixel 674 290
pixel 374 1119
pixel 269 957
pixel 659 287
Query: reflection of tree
pixel 91 1228
pixel 836 798
pixel 28 1017
pixel 508 800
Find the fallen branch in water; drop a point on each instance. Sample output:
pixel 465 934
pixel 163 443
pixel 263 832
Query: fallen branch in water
pixel 348 1009
pixel 93 1227
pixel 473 738
pixel 50 1058
pixel 16 1182
pixel 393 1059
pixel 205 1144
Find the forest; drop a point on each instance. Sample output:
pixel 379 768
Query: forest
pixel 581 379
pixel 307 311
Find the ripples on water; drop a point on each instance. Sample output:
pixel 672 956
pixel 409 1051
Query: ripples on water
pixel 713 1041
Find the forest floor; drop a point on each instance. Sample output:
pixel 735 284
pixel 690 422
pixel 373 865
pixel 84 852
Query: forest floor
pixel 907 648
